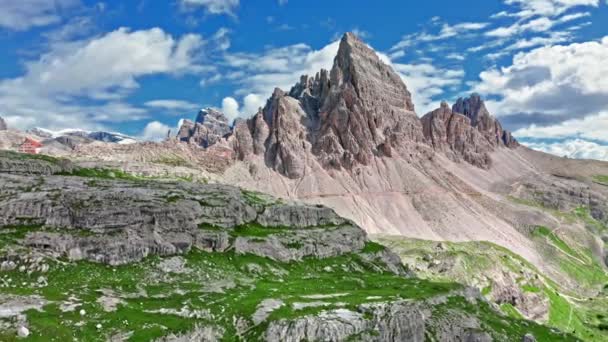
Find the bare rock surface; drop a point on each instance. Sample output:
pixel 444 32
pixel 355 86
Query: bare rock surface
pixel 209 127
pixel 395 321
pixel 452 133
pixel 122 221
pixel 474 108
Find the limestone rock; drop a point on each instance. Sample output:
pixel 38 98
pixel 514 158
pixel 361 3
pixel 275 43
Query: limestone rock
pixel 116 222
pixel 394 321
pixel 340 118
pixel 475 109
pixel 367 105
pixel 209 128
pixel 453 134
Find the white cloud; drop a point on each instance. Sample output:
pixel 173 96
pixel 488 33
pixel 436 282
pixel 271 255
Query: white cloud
pixel 252 103
pixel 592 127
pixel 529 8
pixel 230 108
pixel 572 148
pixel 447 31
pixel 155 131
pixel 102 69
pixel 22 15
pixel 171 105
pixel 560 80
pixel 426 82
pixel 541 24
pixel 212 6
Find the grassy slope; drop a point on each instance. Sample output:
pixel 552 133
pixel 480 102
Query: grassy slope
pixel 475 262
pixel 218 288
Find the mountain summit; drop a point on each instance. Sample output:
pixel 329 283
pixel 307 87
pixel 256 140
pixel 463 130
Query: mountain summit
pixel 358 111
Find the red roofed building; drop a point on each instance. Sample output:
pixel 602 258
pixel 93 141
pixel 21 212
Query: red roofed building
pixel 30 146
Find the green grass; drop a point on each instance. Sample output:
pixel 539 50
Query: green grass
pixel 511 311
pixel 255 229
pixel 373 247
pixel 290 282
pixel 541 231
pixel 601 179
pixel 475 259
pixel 343 282
pixel 172 161
pixel 501 328
pixel 103 174
pixel 27 156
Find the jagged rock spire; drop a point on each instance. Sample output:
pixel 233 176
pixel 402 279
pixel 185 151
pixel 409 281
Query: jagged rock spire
pixel 475 109
pixel 368 110
pixel 210 126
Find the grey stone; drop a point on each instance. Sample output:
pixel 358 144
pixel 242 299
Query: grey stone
pixel 209 128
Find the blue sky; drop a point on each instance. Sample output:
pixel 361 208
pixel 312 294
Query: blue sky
pixel 140 66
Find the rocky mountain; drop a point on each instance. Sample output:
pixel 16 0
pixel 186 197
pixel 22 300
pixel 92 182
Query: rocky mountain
pixel 109 137
pixel 3 126
pixel 340 118
pixel 209 128
pixel 470 136
pixel 453 192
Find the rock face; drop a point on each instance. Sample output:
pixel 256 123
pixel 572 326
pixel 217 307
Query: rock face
pixel 210 127
pixel 3 126
pixel 453 134
pixel 475 109
pixel 341 118
pixel 466 132
pixel 394 321
pixel 74 216
pixel 348 116
pixel 367 110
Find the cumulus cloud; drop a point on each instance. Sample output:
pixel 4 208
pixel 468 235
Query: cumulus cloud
pixel 102 70
pixel 592 127
pixel 155 131
pixel 251 103
pixel 230 108
pixel 426 82
pixel 557 79
pixel 572 148
pixel 20 15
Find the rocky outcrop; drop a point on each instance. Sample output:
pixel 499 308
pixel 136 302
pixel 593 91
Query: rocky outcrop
pixel 369 323
pixel 341 118
pixel 475 109
pixel 466 132
pixel 394 321
pixel 116 221
pixel 563 194
pixel 209 127
pixel 368 109
pixel 453 134
pixel 13 163
pixel 3 126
